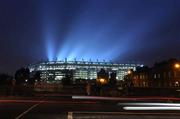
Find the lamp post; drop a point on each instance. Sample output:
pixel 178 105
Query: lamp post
pixel 101 82
pixel 177 68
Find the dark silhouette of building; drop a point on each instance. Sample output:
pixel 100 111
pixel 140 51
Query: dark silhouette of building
pixel 112 80
pixel 103 76
pixel 165 74
pixel 68 79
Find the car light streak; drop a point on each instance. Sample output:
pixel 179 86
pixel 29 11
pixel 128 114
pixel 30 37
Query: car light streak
pixel 151 104
pixel 126 98
pixel 151 108
pixel 100 98
pixel 46 101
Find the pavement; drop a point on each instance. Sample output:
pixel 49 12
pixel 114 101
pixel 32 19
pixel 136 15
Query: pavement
pixel 87 107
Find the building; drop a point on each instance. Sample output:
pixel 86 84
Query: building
pixel 103 77
pixel 57 70
pixel 138 78
pixel 165 74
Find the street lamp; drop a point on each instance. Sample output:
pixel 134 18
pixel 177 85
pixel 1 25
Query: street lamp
pixel 129 72
pixel 177 65
pixel 102 81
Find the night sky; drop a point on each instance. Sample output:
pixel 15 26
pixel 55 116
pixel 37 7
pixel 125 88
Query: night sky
pixel 118 30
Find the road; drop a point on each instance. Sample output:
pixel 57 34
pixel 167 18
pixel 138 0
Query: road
pixel 64 107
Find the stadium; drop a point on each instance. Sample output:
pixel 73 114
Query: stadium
pixel 57 70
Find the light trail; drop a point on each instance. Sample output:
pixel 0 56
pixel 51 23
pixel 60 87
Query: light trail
pixel 125 98
pixel 58 102
pixel 143 108
pixel 151 104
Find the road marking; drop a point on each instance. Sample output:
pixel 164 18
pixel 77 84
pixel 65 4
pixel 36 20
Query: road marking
pixel 29 109
pixel 70 115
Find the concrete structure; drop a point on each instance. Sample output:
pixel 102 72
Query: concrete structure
pixel 57 70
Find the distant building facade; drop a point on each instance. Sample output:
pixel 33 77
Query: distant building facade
pixel 79 69
pixel 164 74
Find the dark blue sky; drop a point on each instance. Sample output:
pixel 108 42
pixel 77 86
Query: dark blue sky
pixel 118 30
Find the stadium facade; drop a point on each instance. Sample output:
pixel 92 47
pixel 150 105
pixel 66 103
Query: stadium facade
pixel 55 70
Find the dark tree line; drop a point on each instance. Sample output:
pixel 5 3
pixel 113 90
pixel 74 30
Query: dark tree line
pixel 5 79
pixel 22 76
pixel 22 82
pixel 67 80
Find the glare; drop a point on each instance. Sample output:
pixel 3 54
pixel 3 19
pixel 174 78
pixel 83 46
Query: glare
pixel 50 50
pixel 102 81
pixel 177 65
pixel 129 72
pixel 151 104
pixel 151 108
pixel 78 50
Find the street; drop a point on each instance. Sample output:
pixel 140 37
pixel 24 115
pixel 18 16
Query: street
pixel 64 107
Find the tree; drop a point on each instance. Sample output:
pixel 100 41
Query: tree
pixel 67 80
pixel 36 77
pixel 6 84
pixel 22 75
pixel 102 77
pixel 5 79
pixel 112 81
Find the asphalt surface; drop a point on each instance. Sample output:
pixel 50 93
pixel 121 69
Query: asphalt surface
pixel 67 108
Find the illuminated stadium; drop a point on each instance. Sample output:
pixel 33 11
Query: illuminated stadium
pixel 80 69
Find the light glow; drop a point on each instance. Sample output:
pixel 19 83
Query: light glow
pixel 151 104
pixel 151 108
pixel 129 72
pixel 177 65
